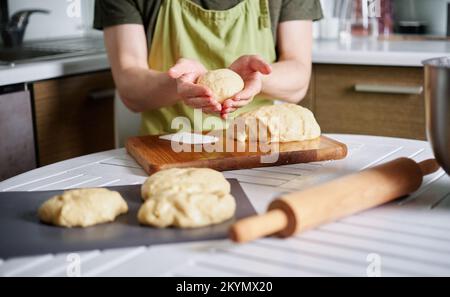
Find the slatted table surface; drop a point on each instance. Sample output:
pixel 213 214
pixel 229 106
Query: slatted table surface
pixel 410 237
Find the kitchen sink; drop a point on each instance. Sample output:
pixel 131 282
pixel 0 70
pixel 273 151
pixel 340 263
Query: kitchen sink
pixel 50 50
pixel 21 54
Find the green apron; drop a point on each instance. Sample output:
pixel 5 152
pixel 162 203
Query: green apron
pixel 216 39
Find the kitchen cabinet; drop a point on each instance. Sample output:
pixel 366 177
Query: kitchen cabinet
pixel 384 101
pixel 17 146
pixel 74 116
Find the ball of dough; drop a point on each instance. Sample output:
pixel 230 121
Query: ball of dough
pixel 180 180
pixel 83 208
pixel 186 198
pixel 282 123
pixel 224 83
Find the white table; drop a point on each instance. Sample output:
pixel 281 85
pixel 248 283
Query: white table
pixel 407 237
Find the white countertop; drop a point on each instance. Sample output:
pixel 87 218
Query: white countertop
pixel 411 237
pixel 31 72
pixel 357 52
pixel 366 51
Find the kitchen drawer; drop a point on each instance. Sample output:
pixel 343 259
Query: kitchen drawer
pixel 74 116
pixel 385 101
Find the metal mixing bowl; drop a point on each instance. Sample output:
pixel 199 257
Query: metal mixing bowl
pixel 437 97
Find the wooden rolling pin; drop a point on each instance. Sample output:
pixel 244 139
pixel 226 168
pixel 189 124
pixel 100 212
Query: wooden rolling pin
pixel 300 211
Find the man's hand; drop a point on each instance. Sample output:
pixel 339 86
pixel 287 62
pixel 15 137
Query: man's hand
pixel 250 68
pixel 186 72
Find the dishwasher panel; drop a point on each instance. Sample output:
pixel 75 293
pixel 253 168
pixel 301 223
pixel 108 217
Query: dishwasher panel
pixel 17 145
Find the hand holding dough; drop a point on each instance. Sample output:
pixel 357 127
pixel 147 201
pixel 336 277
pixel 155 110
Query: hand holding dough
pixel 186 198
pixel 224 83
pixel 279 123
pixel 83 208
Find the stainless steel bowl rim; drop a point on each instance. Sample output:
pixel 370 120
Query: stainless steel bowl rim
pixel 441 62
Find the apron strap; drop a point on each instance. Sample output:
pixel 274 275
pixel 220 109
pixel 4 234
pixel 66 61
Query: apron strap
pixel 264 18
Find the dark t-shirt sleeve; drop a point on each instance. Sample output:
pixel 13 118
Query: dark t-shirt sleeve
pixel 300 10
pixel 116 12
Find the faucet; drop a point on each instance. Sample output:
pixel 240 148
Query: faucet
pixel 13 30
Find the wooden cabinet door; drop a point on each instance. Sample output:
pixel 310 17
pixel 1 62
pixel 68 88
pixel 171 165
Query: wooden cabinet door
pixel 385 101
pixel 74 116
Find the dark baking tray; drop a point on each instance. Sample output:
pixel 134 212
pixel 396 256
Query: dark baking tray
pixel 22 234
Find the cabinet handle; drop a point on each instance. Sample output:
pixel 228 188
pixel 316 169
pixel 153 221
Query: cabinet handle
pixel 102 94
pixel 389 89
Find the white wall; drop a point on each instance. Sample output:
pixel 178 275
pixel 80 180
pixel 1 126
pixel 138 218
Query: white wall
pixel 58 24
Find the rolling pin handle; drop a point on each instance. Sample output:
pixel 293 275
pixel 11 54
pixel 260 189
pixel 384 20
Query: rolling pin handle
pixel 255 227
pixel 429 166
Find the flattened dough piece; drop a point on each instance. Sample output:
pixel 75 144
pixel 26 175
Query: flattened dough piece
pixel 83 208
pixel 186 198
pixel 283 123
pixel 224 83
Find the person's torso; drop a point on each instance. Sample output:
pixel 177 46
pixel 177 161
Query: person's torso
pixel 216 39
pixel 149 10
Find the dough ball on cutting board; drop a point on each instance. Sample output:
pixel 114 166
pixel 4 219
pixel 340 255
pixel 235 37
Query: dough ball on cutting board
pixel 283 123
pixel 186 198
pixel 224 83
pixel 83 208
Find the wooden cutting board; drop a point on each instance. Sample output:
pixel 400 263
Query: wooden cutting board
pixel 155 154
